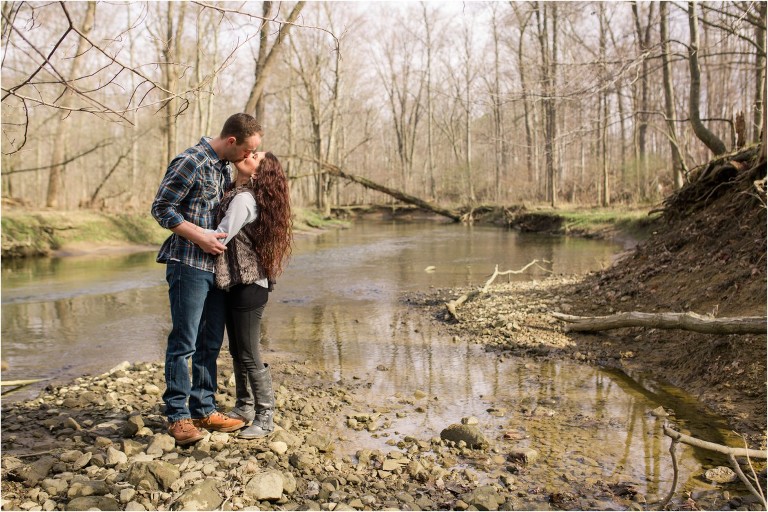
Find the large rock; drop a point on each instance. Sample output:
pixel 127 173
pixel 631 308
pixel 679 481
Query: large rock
pixel 265 486
pixel 89 488
pixel 203 496
pixel 484 498
pixel 721 475
pixel 31 474
pixel 158 474
pixel 470 434
pixel 93 503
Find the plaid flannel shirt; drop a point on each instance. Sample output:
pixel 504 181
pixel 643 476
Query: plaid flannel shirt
pixel 191 190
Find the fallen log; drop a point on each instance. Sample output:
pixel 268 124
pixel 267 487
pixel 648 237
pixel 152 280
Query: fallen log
pixel 402 196
pixel 685 321
pixel 454 304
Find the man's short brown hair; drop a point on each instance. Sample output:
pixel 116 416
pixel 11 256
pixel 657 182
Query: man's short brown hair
pixel 241 126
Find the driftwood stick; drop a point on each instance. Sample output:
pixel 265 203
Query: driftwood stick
pixel 730 452
pixel 454 304
pixel 737 468
pixel 666 501
pixel 719 448
pixel 686 321
pixel 19 382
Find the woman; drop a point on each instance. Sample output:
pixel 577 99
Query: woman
pixel 256 215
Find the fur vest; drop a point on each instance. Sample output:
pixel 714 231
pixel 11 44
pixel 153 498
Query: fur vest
pixel 239 263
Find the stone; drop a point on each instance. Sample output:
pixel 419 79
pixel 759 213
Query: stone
pixel 470 434
pixel 278 447
pixel 721 475
pixel 127 495
pixel 160 444
pixel 93 502
pixel 32 473
pixel 115 457
pixel 323 443
pixel 88 488
pixel 132 426
pixel 82 461
pixel 485 497
pixel 132 447
pixel 265 486
pixel 70 455
pixel 524 455
pixel 202 496
pixel 159 475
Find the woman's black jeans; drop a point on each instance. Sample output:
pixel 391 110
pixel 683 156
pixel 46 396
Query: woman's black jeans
pixel 245 305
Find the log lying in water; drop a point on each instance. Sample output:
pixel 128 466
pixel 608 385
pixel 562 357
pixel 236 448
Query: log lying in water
pixel 686 321
pixel 402 196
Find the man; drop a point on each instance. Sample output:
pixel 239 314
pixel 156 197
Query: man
pixel 185 202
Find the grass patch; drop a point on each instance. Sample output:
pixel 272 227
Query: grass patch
pixel 305 219
pixel 29 233
pixel 39 233
pixel 598 222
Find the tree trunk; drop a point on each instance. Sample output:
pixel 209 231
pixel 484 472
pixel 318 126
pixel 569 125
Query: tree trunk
pixel 266 60
pixel 758 126
pixel 702 132
pixel 402 196
pixel 529 149
pixel 430 114
pixel 669 100
pixel 59 142
pixel 643 40
pixel 605 199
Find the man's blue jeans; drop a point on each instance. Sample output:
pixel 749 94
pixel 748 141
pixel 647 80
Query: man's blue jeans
pixel 198 316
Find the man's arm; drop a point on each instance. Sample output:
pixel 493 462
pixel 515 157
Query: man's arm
pixel 208 241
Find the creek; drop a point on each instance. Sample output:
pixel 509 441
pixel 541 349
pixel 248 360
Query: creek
pixel 338 307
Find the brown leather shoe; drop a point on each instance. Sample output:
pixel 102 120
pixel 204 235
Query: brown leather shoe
pixel 219 422
pixel 184 432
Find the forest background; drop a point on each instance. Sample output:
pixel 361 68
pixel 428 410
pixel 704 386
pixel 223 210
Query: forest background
pixel 460 103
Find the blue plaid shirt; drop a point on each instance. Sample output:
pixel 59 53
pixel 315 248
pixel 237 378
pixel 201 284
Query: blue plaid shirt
pixel 191 190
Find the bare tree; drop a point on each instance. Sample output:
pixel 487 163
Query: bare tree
pixel 55 181
pixel 404 85
pixel 642 104
pixel 669 99
pixel 702 132
pixel 546 18
pixel 267 58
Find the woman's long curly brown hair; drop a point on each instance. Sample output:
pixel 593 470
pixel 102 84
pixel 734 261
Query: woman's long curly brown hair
pixel 273 227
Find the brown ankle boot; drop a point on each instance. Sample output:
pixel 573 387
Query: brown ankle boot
pixel 218 422
pixel 184 432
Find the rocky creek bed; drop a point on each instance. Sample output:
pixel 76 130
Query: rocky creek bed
pixel 100 443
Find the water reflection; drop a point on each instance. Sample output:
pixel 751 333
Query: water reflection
pixel 338 308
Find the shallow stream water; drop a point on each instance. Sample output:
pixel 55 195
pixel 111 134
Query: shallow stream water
pixel 338 307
